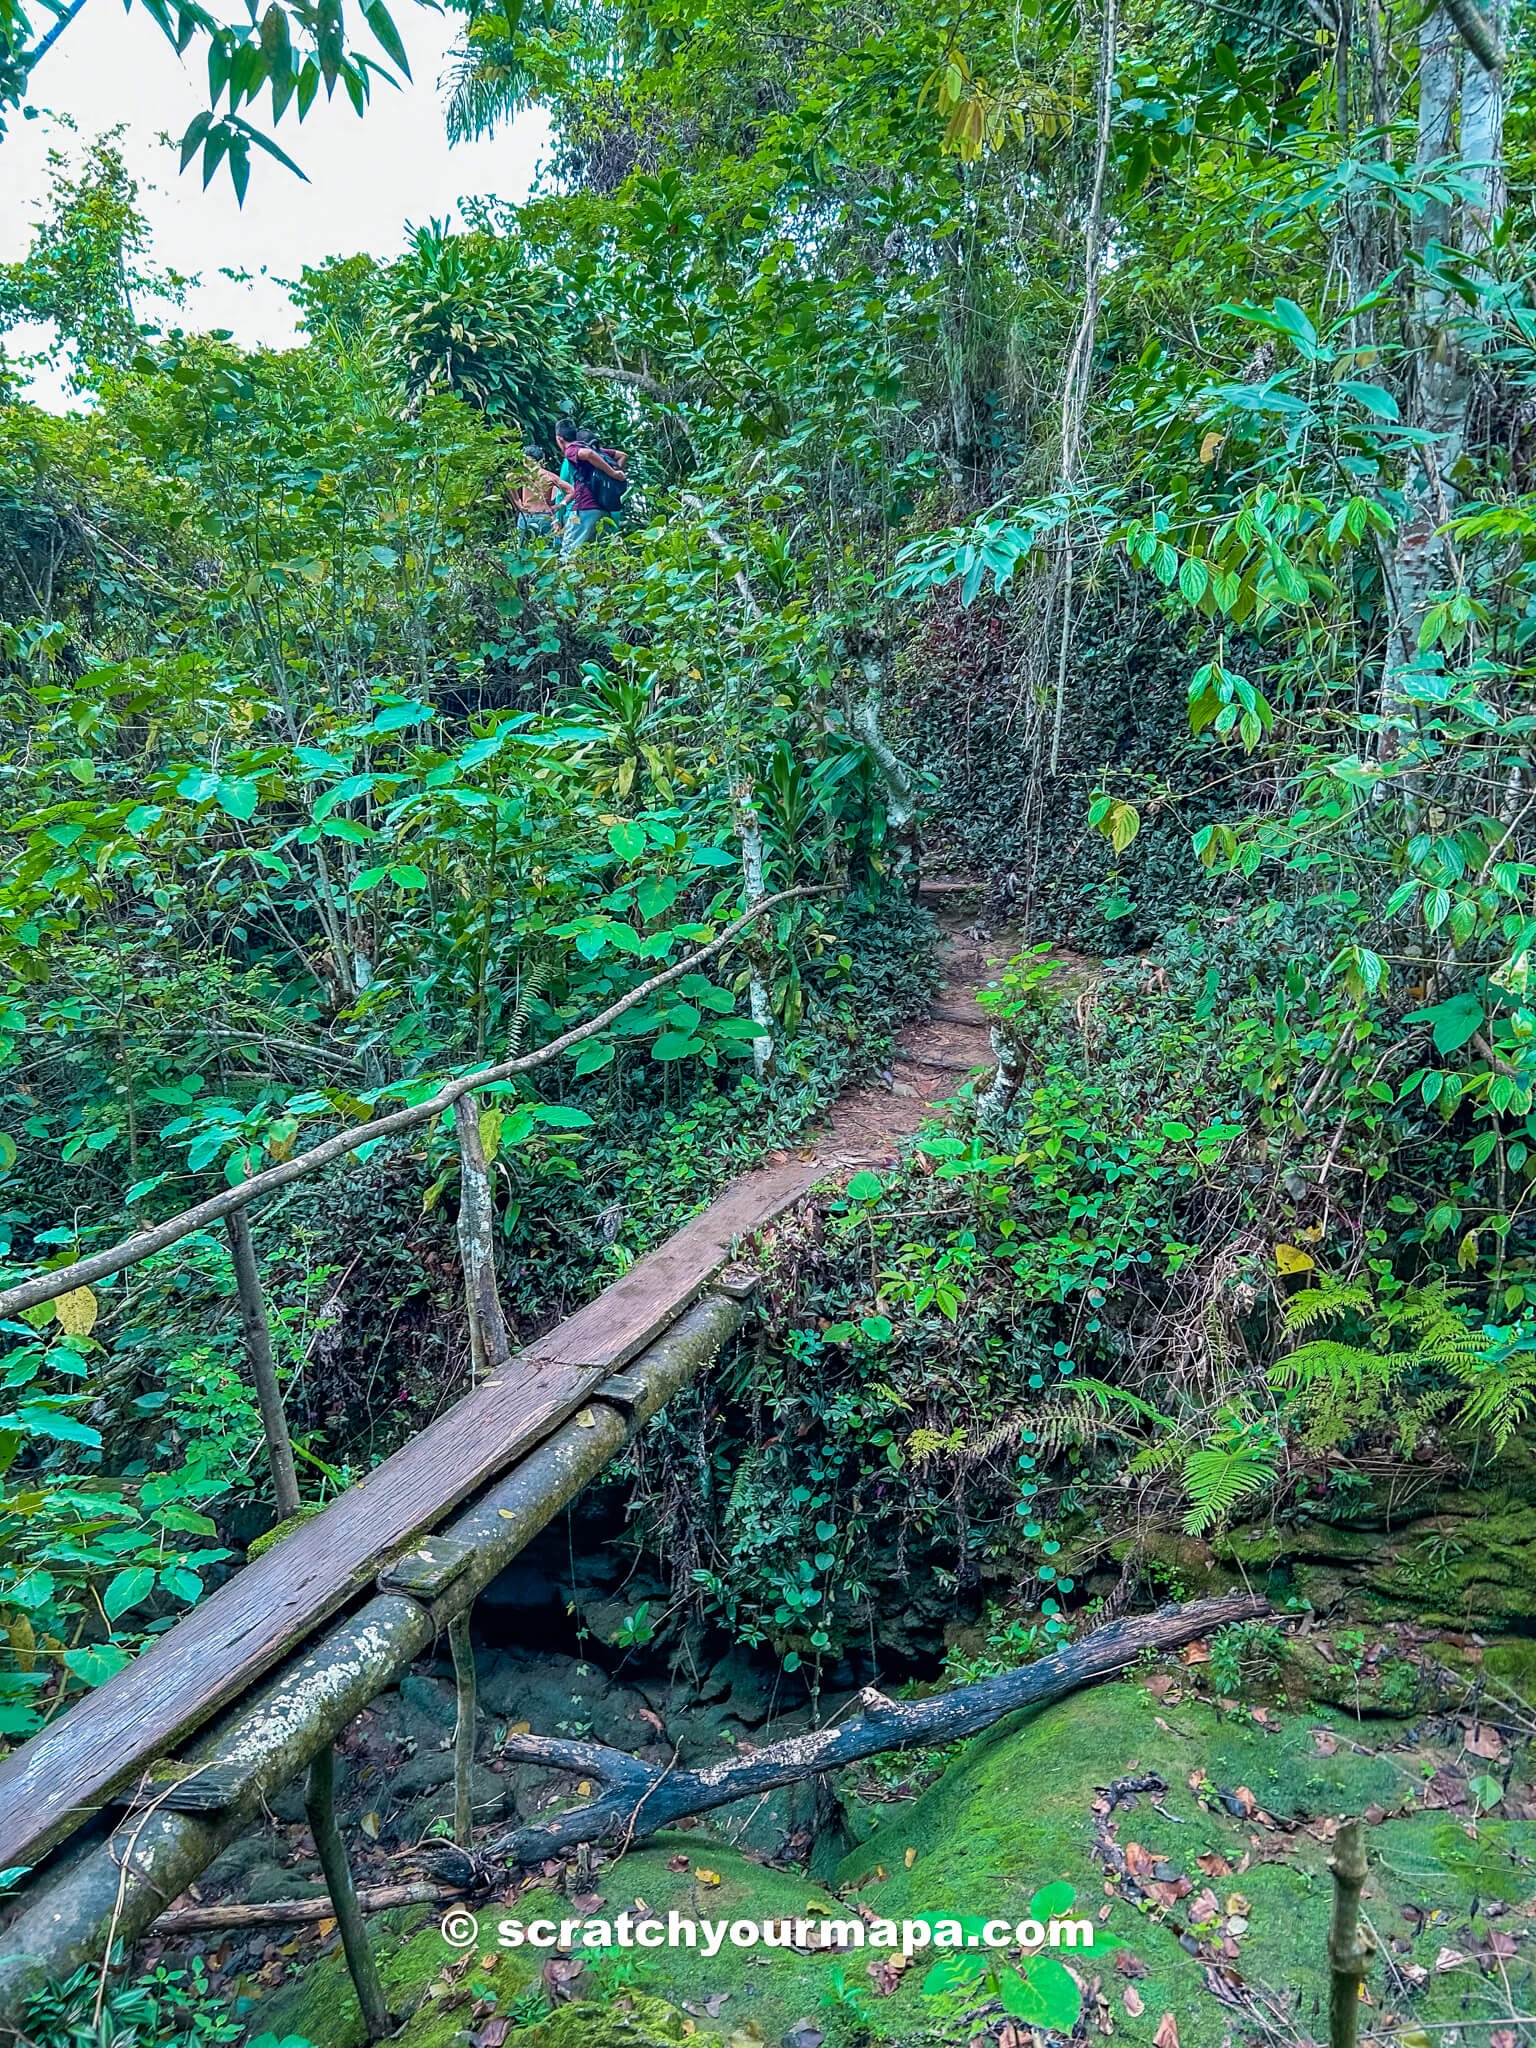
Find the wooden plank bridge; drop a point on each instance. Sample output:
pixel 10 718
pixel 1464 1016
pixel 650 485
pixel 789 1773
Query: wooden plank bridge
pixel 58 1779
pixel 272 1612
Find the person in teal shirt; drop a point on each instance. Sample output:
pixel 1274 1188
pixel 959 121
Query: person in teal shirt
pixel 582 459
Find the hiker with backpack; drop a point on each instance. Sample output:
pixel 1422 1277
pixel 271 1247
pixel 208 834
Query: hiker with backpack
pixel 597 479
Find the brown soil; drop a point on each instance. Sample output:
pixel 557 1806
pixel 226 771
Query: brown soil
pixel 936 1056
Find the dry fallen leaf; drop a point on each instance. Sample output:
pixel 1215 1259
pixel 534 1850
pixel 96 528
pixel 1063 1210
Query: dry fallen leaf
pixel 1204 1908
pixel 1484 1742
pixel 1324 1742
pixel 909 1857
pixel 1197 1653
pixel 370 1826
pixel 1160 1684
pixel 1214 1864
pixel 1132 1999
pixel 1449 1959
pixel 677 1863
pixel 1167 2035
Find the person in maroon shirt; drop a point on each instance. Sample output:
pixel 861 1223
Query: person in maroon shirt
pixel 582 457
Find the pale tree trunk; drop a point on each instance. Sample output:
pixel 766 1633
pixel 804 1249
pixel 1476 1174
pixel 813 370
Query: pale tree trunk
pixel 1482 139
pixel 1421 563
pixel 1079 370
pixel 1439 65
pixel 754 889
pixel 895 777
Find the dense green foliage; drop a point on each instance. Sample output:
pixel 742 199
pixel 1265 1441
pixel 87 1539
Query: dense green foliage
pixel 1132 416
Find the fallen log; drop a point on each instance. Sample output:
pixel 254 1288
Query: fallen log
pixel 639 1798
pixel 374 1898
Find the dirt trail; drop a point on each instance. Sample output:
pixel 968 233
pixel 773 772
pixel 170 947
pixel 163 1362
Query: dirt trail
pixel 934 1056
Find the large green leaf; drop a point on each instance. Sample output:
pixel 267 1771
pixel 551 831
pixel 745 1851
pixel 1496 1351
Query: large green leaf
pixel 1455 1021
pixel 1043 1994
pixel 127 1589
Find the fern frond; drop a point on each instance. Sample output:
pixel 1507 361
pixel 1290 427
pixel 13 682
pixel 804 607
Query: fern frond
pixel 1327 1362
pixel 1160 1456
pixel 924 1444
pixel 1500 1394
pixel 1120 1397
pixel 1325 1303
pixel 534 981
pixel 1215 1481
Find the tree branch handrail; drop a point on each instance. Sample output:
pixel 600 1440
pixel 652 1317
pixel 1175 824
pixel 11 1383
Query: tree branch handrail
pixel 131 1251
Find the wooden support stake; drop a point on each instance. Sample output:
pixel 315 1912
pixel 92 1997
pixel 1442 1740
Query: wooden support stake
pixel 488 1345
pixel 332 1851
pixel 465 1728
pixel 1350 1946
pixel 258 1350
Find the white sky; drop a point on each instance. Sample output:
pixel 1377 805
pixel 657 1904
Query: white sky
pixel 367 178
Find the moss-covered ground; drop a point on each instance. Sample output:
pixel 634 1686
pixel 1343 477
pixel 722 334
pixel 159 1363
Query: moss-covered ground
pixel 1214 1892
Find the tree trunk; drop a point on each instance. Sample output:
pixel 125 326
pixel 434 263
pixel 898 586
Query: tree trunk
pixel 754 888
pixel 1421 563
pixel 1482 142
pixel 1079 370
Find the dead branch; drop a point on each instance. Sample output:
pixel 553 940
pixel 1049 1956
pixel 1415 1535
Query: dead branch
pixel 638 1798
pixel 1476 32
pixel 376 1898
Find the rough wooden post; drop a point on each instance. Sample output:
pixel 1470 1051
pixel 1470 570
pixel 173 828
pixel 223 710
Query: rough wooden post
pixel 321 1804
pixel 258 1351
pixel 465 1728
pixel 488 1343
pixel 1350 1946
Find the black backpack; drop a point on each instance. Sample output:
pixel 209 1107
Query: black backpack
pixel 607 491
